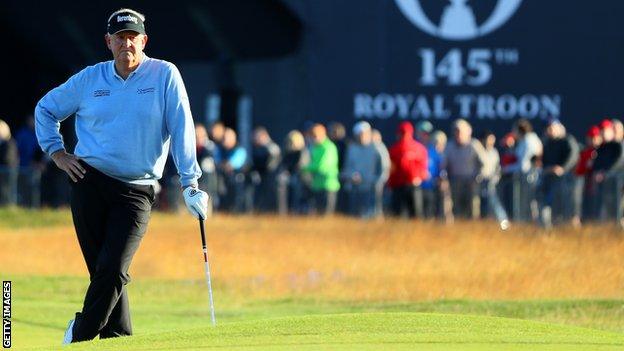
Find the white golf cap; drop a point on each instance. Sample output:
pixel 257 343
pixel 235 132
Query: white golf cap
pixel 360 127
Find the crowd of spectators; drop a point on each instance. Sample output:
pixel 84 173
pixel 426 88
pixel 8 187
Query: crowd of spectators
pixel 547 179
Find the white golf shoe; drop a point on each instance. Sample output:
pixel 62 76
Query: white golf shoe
pixel 69 333
pixel 504 224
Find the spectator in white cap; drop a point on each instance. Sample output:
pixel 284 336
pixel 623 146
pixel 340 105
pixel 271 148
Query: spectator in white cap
pixel 464 160
pixel 361 171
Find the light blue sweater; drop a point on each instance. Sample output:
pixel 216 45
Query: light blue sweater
pixel 124 127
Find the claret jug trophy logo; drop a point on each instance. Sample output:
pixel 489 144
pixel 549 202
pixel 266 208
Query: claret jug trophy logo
pixel 458 21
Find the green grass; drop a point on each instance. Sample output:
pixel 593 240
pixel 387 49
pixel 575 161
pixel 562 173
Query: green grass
pixel 17 218
pixel 403 331
pixel 170 315
pixel 174 315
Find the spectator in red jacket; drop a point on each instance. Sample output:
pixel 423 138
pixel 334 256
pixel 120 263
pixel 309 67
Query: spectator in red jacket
pixel 508 155
pixel 588 154
pixel 606 170
pixel 585 193
pixel 407 172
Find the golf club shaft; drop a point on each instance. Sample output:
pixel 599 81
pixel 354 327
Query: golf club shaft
pixel 207 269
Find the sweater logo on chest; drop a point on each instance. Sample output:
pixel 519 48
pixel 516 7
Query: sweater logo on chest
pixel 101 92
pixel 145 90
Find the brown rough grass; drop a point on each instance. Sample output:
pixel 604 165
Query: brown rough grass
pixel 342 258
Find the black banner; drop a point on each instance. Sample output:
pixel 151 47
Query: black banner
pixel 488 61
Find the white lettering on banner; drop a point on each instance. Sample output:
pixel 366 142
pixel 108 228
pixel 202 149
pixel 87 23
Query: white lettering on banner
pixel 421 108
pixel 485 107
pixel 384 105
pixel 465 102
pixel 403 103
pixel 439 108
pixel 529 106
pixel 476 70
pixel 506 107
pixel 459 68
pixel 127 18
pixel 363 106
pixel 468 106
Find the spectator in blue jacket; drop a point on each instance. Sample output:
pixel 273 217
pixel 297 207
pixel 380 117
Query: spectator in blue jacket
pixel 432 196
pixel 361 171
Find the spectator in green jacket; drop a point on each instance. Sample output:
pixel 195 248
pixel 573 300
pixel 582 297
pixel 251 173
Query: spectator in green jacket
pixel 323 168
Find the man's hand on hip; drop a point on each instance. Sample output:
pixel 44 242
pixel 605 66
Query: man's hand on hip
pixel 69 164
pixel 196 202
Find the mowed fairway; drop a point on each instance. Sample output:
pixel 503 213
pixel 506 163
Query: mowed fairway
pixel 310 283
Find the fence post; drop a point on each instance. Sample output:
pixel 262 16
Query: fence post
pixel 515 181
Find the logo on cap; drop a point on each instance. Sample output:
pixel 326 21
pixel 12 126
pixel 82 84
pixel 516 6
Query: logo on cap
pixel 127 18
pixel 458 20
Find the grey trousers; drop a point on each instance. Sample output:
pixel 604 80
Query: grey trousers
pixel 464 192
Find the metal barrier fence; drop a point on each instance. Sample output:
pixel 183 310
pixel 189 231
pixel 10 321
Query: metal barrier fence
pixel 20 186
pixel 524 196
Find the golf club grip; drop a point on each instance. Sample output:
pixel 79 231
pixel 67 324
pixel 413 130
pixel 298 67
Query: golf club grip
pixel 203 233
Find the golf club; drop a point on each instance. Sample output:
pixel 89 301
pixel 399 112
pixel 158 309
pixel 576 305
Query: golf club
pixel 207 268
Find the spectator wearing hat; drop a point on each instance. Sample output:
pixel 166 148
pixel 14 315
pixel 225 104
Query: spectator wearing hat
pixel 424 129
pixel 408 170
pixel 464 159
pixel 323 168
pixel 585 195
pixel 508 154
pixel 432 196
pixel 525 170
pixel 491 173
pixel 361 171
pixel 609 159
pixel 384 172
pixel 561 153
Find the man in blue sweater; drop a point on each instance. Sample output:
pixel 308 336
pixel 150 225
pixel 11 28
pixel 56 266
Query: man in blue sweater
pixel 361 171
pixel 129 111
